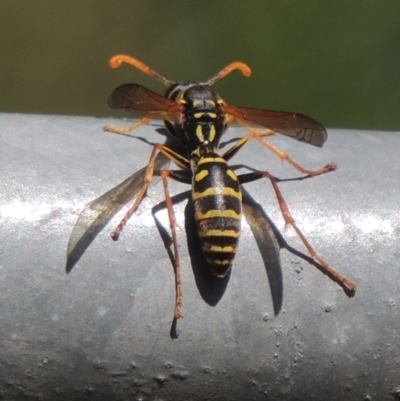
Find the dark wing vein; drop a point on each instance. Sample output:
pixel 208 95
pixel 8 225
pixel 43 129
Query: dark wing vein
pixel 140 100
pixel 297 126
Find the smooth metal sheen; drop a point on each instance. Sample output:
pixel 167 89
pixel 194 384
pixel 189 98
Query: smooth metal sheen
pixel 102 332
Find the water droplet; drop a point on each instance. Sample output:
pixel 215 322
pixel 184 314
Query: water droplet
pixel 265 317
pixel 327 308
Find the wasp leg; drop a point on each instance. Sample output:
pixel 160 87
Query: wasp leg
pixel 165 174
pixel 282 155
pixel 146 181
pixel 125 130
pixel 348 286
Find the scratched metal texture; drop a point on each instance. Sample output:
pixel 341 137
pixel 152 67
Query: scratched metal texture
pixel 102 332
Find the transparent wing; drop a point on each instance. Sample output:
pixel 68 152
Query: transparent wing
pixel 297 126
pixel 142 101
pixel 268 244
pixel 96 214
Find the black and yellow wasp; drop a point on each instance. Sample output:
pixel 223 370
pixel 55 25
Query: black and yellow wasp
pixel 196 117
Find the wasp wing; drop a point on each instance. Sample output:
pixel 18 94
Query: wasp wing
pixel 96 214
pixel 140 100
pixel 297 126
pixel 269 244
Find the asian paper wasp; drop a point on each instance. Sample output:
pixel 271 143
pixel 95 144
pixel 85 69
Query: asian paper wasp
pixel 196 117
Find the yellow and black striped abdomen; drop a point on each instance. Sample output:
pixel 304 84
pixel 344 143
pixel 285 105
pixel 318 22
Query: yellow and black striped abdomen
pixel 218 209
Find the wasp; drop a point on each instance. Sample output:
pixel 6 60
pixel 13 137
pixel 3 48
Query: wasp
pixel 196 117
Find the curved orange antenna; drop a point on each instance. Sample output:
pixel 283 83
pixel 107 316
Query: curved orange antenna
pixel 236 65
pixel 117 60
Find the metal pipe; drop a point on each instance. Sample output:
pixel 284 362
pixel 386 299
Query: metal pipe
pixel 102 331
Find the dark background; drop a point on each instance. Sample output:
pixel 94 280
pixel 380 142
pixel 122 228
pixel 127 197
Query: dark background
pixel 337 61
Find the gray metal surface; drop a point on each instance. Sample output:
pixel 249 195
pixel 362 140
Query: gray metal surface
pixel 102 332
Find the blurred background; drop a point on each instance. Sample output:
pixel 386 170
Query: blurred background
pixel 337 61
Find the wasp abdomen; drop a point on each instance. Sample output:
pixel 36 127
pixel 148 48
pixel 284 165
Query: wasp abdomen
pixel 217 203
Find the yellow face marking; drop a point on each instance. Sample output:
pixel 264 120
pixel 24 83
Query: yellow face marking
pixel 218 213
pixel 219 233
pixel 199 115
pixel 231 174
pixel 212 132
pixel 199 176
pixel 197 102
pixel 211 102
pixel 199 133
pixel 212 160
pixel 216 191
pixel 212 115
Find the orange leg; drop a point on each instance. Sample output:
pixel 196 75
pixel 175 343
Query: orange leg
pixel 282 155
pixel 146 181
pixel 165 174
pixel 285 156
pixel 348 286
pixel 125 130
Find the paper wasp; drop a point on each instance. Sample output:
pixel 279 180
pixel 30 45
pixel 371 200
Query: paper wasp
pixel 196 117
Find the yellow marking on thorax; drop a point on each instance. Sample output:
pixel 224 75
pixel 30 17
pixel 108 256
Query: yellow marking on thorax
pixel 212 133
pixel 218 213
pixel 199 176
pixel 199 133
pixel 212 160
pixel 213 191
pixel 219 233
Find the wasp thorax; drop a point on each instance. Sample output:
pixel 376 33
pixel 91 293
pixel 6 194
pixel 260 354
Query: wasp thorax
pixel 203 117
